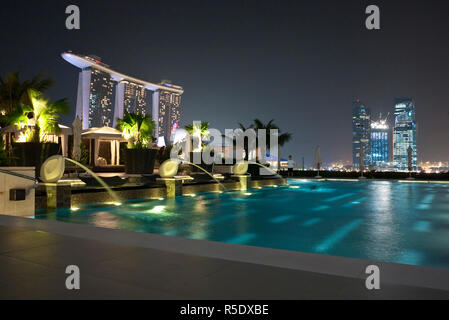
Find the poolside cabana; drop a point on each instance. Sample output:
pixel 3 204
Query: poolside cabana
pixel 104 146
pixel 12 134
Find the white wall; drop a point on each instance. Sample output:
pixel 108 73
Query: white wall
pixel 17 208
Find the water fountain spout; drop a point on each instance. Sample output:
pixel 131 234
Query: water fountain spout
pixel 207 172
pixel 265 167
pixel 53 169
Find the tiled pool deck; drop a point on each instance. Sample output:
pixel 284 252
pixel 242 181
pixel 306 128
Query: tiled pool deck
pixel 128 265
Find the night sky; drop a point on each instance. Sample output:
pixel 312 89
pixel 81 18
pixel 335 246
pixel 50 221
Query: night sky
pixel 299 62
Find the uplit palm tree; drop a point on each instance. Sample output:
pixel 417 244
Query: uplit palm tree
pixel 40 112
pixel 202 130
pixel 14 93
pixel 137 129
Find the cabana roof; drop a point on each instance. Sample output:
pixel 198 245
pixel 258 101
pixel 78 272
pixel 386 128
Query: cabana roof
pixel 104 133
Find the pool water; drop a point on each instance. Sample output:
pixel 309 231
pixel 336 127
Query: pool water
pixel 390 221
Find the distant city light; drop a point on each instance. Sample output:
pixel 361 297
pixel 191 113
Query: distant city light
pixel 382 124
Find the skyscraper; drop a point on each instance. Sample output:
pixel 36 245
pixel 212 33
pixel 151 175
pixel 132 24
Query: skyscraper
pixel 404 134
pixel 99 85
pixel 361 133
pixel 380 132
pixel 100 100
pixel 168 113
pixel 136 99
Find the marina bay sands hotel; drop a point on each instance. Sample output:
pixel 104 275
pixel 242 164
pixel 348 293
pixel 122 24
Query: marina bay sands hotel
pixel 104 94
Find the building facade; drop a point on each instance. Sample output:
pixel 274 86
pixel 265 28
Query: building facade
pixel 168 114
pixel 361 134
pixel 137 99
pixel 101 99
pixel 404 135
pixel 104 95
pixel 379 144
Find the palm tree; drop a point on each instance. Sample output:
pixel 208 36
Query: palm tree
pixel 202 130
pixel 283 138
pixel 42 112
pixel 15 93
pixel 137 129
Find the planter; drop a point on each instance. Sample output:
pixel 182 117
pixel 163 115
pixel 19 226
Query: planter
pixel 140 161
pixel 33 154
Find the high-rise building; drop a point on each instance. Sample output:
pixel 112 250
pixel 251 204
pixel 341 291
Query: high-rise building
pixel 380 132
pixel 95 106
pixel 168 113
pixel 404 135
pixel 361 134
pixel 100 100
pixel 137 99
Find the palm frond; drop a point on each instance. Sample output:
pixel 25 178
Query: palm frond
pixel 137 129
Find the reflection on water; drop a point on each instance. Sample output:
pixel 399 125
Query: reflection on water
pixel 378 220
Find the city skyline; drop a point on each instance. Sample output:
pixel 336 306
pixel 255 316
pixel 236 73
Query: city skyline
pixel 380 144
pixel 239 61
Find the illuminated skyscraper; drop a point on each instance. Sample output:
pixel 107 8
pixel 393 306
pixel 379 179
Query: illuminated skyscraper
pixel 361 133
pixel 137 99
pixel 380 132
pixel 404 134
pixel 96 86
pixel 100 100
pixel 168 112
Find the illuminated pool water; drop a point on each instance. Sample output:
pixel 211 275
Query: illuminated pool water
pixel 381 220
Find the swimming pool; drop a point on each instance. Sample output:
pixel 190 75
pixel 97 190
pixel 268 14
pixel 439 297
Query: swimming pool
pixel 389 221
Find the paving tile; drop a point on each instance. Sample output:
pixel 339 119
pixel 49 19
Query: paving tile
pixel 71 251
pixel 248 281
pixel 158 270
pixel 16 270
pixel 5 229
pixel 12 241
pixel 90 288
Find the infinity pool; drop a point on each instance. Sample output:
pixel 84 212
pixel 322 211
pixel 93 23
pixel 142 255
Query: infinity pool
pixel 389 221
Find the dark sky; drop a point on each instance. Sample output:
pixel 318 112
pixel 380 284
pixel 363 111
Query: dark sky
pixel 299 62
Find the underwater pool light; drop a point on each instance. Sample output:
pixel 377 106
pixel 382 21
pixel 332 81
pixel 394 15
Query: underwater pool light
pixel 74 208
pixel 157 209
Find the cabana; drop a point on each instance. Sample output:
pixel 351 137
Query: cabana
pixel 14 134
pixel 104 146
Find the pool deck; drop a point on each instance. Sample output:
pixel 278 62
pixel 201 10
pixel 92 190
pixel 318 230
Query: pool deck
pixel 116 264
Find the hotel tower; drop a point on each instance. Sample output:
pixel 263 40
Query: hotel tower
pixel 104 95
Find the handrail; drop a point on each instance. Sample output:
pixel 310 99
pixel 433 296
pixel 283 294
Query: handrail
pixel 18 175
